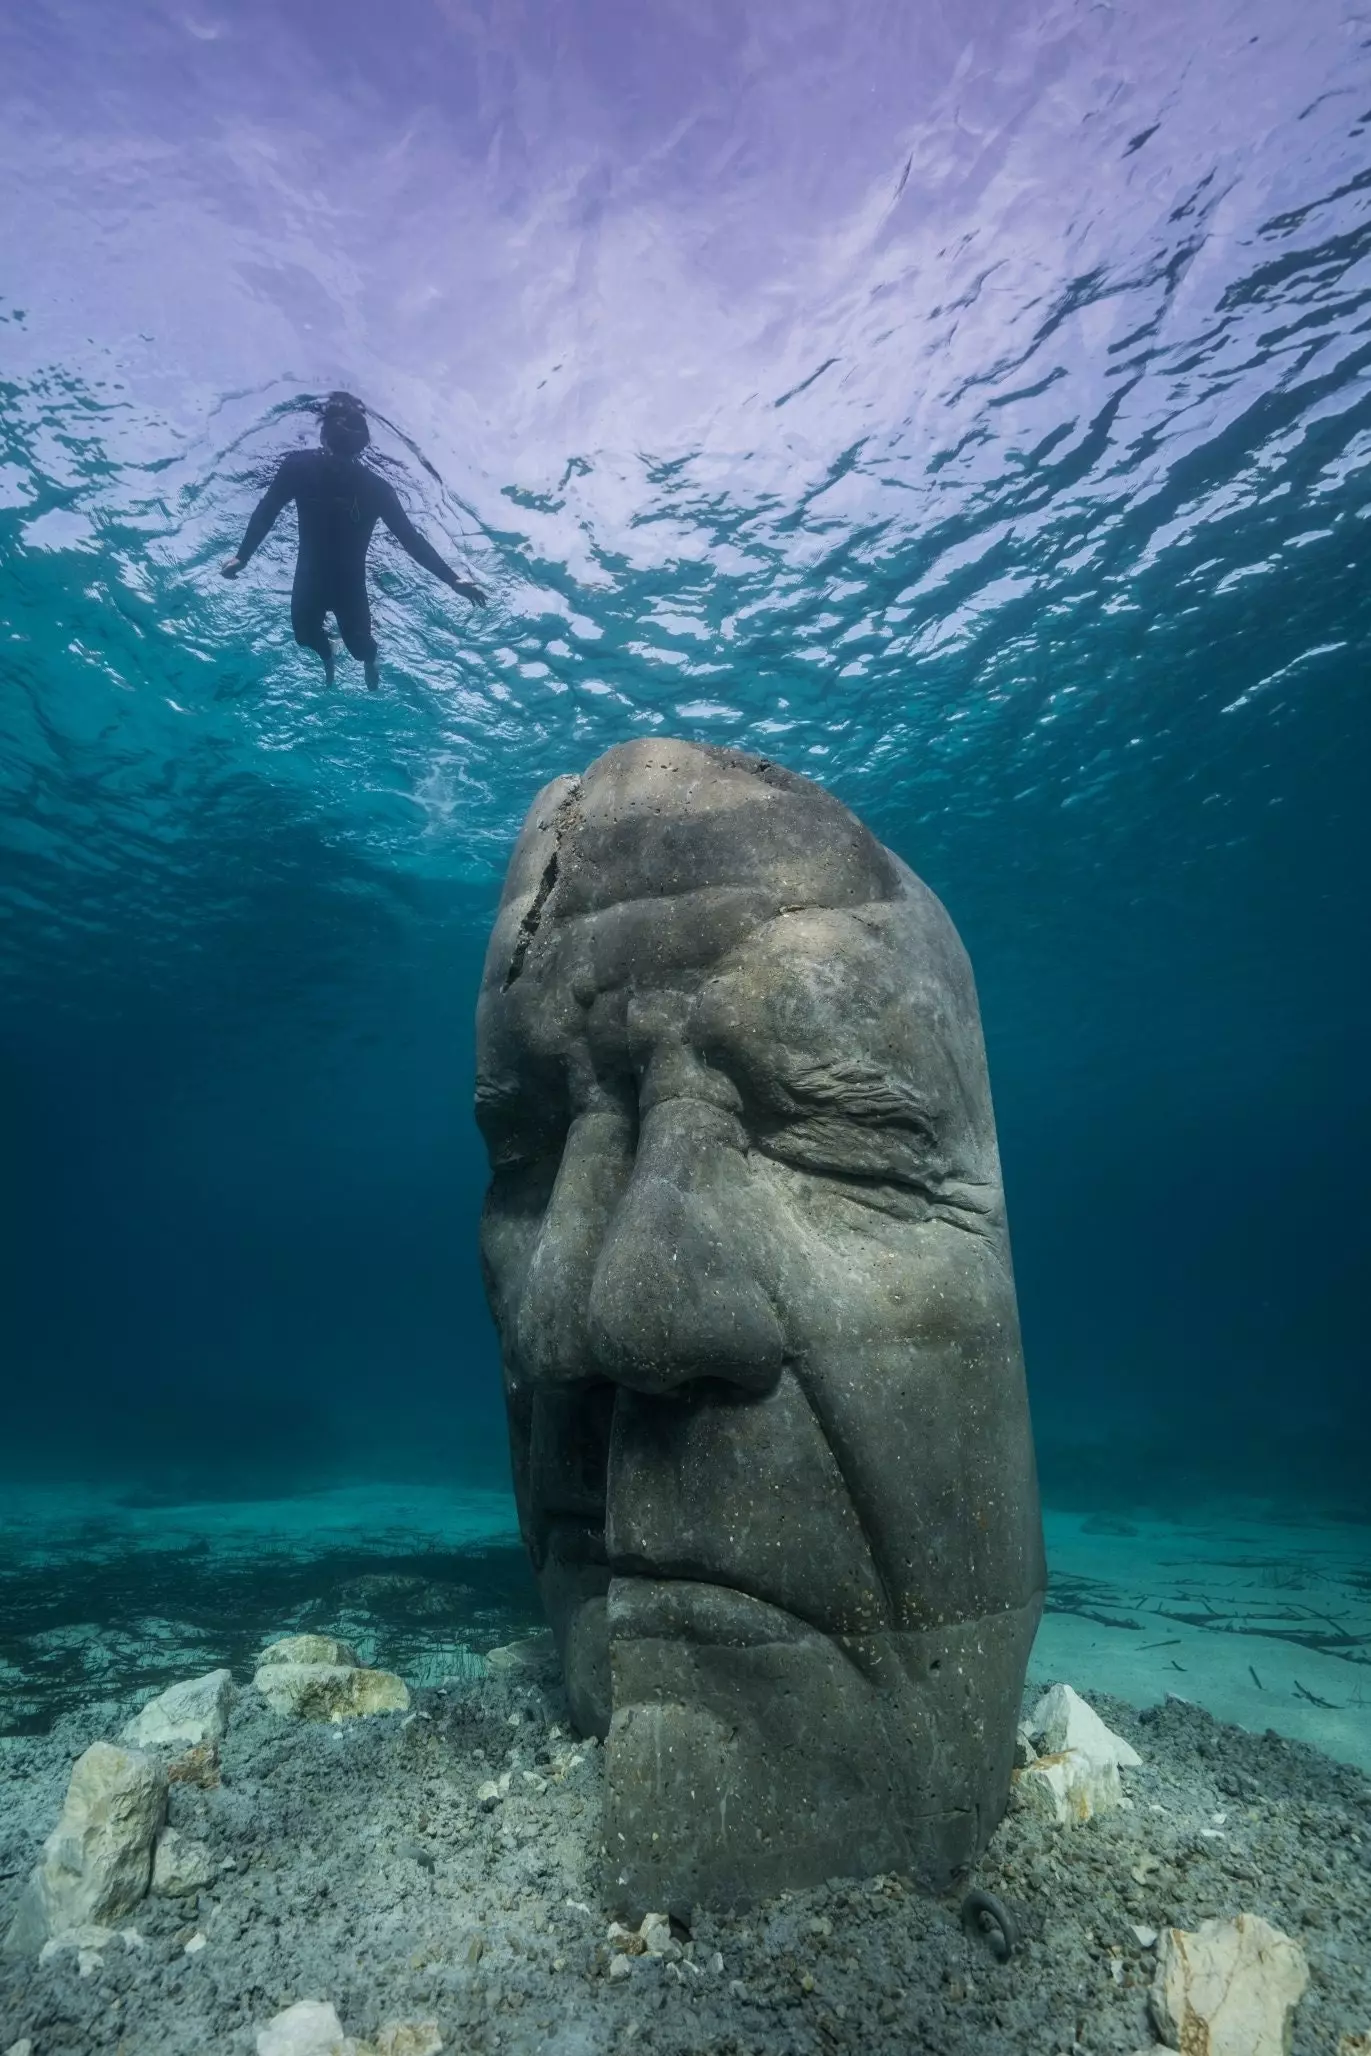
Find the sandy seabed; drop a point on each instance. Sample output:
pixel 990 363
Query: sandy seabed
pixel 357 1863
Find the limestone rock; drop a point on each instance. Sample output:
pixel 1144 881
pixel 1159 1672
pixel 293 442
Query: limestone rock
pixel 1229 1989
pixel 330 1691
pixel 24 2048
pixel 308 1649
pixel 529 1653
pixel 1077 1774
pixel 185 1715
pixel 1063 1720
pixel 181 1865
pixel 1067 1789
pixel 309 2028
pixel 97 1862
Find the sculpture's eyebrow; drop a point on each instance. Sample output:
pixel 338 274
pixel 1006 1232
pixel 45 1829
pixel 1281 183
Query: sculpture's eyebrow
pixel 861 1090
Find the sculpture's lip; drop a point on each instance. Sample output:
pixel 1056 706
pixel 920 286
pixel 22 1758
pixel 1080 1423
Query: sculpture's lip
pixel 647 1603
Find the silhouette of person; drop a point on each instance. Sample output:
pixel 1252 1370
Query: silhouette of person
pixel 338 502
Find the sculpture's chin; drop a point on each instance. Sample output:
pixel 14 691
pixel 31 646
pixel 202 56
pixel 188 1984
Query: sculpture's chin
pixel 749 1752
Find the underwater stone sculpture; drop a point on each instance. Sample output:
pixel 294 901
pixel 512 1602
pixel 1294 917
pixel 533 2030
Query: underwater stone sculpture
pixel 745 1246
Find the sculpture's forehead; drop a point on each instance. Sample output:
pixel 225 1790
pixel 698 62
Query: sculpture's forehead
pixel 652 822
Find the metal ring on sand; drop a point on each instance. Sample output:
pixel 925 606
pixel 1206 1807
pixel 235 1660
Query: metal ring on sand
pixel 987 1919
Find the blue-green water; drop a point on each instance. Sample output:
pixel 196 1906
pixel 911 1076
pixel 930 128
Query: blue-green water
pixel 971 410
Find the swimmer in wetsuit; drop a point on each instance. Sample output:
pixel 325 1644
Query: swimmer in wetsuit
pixel 338 502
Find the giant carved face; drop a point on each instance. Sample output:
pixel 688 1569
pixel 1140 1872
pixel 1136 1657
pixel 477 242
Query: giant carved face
pixel 746 1249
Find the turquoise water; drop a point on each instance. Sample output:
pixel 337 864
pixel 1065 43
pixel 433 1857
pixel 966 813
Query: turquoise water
pixel 971 411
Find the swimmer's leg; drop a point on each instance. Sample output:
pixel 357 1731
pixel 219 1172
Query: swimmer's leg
pixel 307 619
pixel 353 615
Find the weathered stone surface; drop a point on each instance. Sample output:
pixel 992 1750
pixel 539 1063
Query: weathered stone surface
pixel 746 1224
pixel 186 1715
pixel 308 1649
pixel 1228 1989
pixel 329 1691
pixel 309 2028
pixel 180 1864
pixel 97 1862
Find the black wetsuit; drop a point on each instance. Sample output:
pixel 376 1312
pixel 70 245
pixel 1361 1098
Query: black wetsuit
pixel 338 501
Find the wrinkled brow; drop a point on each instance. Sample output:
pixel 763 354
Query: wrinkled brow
pixel 864 1091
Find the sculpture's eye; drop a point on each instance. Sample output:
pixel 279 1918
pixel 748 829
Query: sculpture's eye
pixel 522 1129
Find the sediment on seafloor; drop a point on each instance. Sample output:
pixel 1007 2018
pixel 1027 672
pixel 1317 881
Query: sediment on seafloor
pixel 433 1876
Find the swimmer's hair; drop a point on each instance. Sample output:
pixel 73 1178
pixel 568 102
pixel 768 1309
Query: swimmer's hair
pixel 343 425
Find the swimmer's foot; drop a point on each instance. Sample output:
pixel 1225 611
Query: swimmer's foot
pixel 372 674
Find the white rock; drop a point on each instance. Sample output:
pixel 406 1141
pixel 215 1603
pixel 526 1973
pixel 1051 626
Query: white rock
pixel 1229 1989
pixel 24 2048
pixel 195 1944
pixel 488 1796
pixel 656 1936
pixel 330 1691
pixel 180 1865
pixel 1067 1789
pixel 620 1967
pixel 309 1649
pixel 1062 1720
pixel 1146 1936
pixel 195 1712
pixel 530 1653
pixel 97 1862
pixel 310 2028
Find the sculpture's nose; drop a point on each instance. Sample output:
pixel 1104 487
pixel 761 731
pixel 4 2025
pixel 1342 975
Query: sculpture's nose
pixel 674 1295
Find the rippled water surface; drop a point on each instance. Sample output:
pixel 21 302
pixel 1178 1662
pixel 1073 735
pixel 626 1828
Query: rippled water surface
pixel 968 406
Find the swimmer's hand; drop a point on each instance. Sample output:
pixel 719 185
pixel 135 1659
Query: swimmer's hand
pixel 231 568
pixel 466 591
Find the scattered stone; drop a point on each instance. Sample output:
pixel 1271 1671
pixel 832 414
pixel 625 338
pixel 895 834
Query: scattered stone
pixel 309 2028
pixel 1355 2045
pixel 193 1713
pixel 24 2048
pixel 404 2038
pixel 329 1691
pixel 97 1862
pixel 309 1649
pixel 198 1766
pixel 195 1944
pixel 89 1936
pixel 1146 1936
pixel 620 1967
pixel 1229 1989
pixel 180 1865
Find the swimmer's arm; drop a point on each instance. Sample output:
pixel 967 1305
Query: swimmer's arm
pixel 422 550
pixel 281 489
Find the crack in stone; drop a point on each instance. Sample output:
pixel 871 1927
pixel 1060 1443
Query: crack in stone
pixel 528 927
